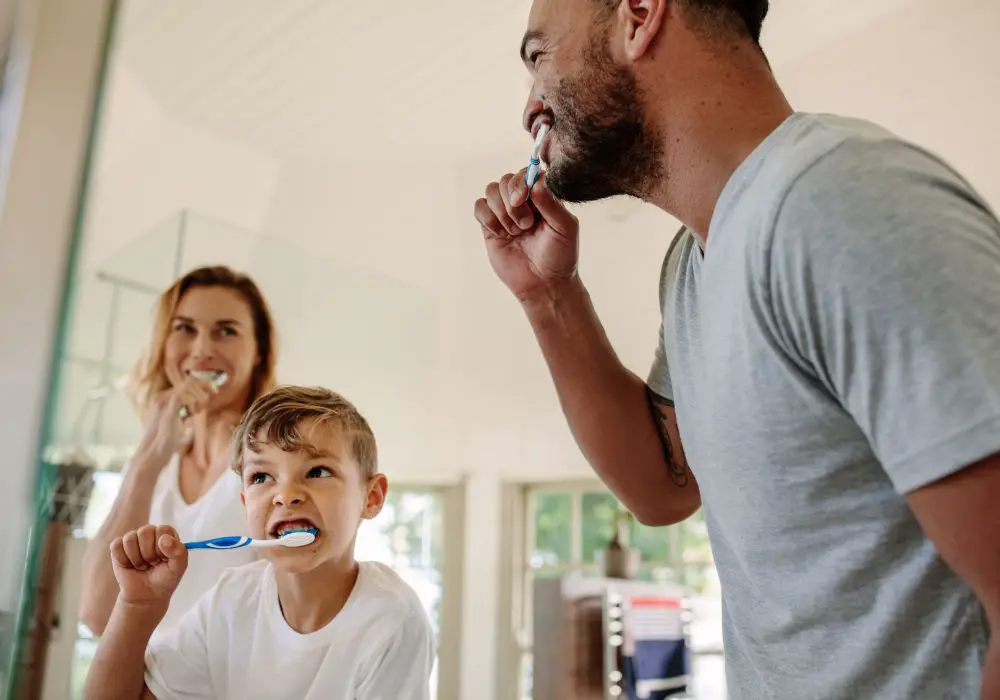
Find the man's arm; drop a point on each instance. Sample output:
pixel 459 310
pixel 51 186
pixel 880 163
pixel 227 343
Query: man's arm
pixel 627 433
pixel 959 514
pixel 665 417
pixel 118 669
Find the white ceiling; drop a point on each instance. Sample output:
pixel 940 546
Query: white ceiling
pixel 328 79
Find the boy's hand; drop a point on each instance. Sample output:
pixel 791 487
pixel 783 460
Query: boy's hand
pixel 149 563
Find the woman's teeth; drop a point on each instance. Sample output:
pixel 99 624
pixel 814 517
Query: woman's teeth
pixel 215 378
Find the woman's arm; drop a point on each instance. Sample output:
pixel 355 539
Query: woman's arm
pixel 162 440
pixel 129 511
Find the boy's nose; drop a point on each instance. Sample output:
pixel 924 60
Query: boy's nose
pixel 289 496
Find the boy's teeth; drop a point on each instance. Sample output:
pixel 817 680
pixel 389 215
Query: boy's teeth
pixel 293 527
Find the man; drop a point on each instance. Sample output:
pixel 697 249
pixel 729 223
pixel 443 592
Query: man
pixel 827 384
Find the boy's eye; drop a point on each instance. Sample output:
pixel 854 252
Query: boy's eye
pixel 257 478
pixel 319 472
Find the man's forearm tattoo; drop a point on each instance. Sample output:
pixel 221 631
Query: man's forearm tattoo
pixel 676 470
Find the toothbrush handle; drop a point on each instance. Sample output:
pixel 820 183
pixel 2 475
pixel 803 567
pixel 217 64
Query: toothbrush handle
pixel 234 542
pixel 531 176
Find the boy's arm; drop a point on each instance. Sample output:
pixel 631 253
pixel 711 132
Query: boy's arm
pixel 117 671
pixel 403 672
pixel 148 565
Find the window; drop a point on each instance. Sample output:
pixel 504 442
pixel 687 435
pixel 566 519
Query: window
pixel 568 523
pixel 408 535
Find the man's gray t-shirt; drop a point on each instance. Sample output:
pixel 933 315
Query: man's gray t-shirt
pixel 836 347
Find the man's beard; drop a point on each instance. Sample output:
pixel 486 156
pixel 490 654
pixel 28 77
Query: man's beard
pixel 608 148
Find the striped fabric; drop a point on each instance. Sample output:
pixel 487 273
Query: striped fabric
pixel 656 661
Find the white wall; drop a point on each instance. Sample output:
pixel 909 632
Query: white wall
pixel 928 72
pixel 150 166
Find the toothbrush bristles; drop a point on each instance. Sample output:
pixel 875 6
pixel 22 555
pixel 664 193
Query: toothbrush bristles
pixel 542 131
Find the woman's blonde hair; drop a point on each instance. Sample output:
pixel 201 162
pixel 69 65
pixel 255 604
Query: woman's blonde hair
pixel 148 377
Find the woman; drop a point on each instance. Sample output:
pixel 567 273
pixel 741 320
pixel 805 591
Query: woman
pixel 212 324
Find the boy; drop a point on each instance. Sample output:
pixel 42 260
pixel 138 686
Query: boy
pixel 305 623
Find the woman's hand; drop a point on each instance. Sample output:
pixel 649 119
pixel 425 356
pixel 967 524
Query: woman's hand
pixel 166 417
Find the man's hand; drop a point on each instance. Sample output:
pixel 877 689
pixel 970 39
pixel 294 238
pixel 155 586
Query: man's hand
pixel 148 564
pixel 532 243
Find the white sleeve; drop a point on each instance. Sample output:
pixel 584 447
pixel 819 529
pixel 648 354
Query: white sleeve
pixel 403 670
pixel 177 663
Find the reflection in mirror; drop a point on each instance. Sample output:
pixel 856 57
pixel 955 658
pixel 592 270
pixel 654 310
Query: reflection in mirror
pixel 168 196
pixel 98 430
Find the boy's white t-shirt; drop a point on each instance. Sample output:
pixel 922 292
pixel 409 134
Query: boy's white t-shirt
pixel 218 513
pixel 235 644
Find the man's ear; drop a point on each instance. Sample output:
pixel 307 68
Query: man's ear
pixel 643 20
pixel 378 487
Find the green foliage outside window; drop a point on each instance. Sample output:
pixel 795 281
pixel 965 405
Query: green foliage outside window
pixel 553 524
pixel 678 552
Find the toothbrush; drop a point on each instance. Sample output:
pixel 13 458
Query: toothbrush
pixel 296 538
pixel 216 379
pixel 535 164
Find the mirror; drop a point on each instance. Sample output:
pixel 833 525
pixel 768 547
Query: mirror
pixel 174 187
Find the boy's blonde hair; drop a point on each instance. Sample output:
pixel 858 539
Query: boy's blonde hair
pixel 276 416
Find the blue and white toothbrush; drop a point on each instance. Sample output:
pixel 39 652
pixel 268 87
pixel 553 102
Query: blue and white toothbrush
pixel 296 538
pixel 535 163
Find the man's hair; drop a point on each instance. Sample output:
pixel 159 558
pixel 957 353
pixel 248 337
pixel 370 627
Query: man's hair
pixel 276 418
pixel 745 17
